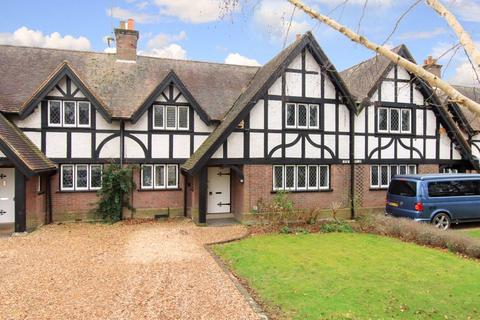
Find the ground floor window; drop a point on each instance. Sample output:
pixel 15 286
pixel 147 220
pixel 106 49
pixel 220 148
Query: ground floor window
pixel 380 175
pixel 449 170
pixel 159 176
pixel 301 177
pixel 80 177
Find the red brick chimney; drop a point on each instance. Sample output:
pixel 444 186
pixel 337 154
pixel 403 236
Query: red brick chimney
pixel 430 64
pixel 126 41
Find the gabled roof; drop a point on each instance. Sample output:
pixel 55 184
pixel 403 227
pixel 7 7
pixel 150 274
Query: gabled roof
pixel 262 80
pixel 364 78
pixel 122 87
pixel 21 151
pixel 472 120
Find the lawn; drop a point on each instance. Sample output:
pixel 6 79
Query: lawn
pixel 473 233
pixel 354 276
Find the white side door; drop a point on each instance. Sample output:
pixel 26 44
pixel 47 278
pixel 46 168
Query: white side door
pixel 7 194
pixel 218 190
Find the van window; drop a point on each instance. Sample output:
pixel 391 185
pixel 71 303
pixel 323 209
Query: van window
pixel 403 188
pixel 454 188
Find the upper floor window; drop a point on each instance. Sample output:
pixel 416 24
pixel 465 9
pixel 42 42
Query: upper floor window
pixel 394 120
pixel 302 116
pixel 80 177
pixel 171 117
pixel 301 177
pixel 69 113
pixel 159 176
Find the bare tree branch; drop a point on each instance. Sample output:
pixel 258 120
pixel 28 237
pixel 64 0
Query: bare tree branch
pixel 430 78
pixel 397 23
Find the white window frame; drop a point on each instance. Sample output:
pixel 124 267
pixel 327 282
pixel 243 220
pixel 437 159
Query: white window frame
pixel 90 176
pixel 317 178
pixel 69 125
pixel 167 175
pixel 294 126
pixel 77 166
pixel 378 120
pixel 61 114
pixel 274 178
pixel 297 111
pixel 178 118
pixel 77 119
pixel 166 117
pixel 401 120
pixel 306 177
pixel 152 179
pixel 390 120
pixel 375 186
pixel 398 168
pixel 294 177
pixel 155 106
pixel 155 186
pixel 316 106
pixel 414 169
pixel 62 187
pixel 380 176
pixel 327 187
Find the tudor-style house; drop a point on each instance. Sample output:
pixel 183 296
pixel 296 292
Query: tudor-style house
pixel 214 140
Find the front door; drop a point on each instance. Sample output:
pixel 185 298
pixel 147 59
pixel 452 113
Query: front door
pixel 218 190
pixel 7 193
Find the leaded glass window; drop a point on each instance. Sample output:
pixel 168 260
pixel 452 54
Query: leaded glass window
pixel 374 181
pixel 81 176
pixel 54 113
pixel 313 116
pixel 324 177
pixel 171 117
pixel 406 121
pixel 384 177
pixel 183 118
pixel 159 176
pixel 67 177
pixel 95 176
pixel 69 113
pixel 380 176
pixel 83 114
pixel 158 122
pixel 289 177
pixel 301 177
pixel 171 175
pixel 394 120
pixel 312 177
pixel 302 116
pixel 382 119
pixel 147 176
pixel 290 116
pixel 278 177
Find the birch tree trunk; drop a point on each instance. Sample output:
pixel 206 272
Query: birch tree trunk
pixel 430 78
pixel 465 39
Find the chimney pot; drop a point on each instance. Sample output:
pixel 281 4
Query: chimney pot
pixel 131 24
pixel 430 64
pixel 122 24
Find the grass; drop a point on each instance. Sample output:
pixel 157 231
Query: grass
pixel 354 276
pixel 473 233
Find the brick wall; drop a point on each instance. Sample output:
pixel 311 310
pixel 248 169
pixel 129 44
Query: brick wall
pixel 35 204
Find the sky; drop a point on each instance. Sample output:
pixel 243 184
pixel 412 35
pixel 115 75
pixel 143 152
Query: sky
pixel 251 33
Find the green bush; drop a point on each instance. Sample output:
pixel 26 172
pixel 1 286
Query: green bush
pixel 420 233
pixel 336 226
pixel 117 184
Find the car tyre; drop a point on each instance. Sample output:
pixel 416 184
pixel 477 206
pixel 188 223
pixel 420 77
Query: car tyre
pixel 442 221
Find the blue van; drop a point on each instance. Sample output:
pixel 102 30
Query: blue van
pixel 441 199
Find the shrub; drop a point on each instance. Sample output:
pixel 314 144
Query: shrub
pixel 336 226
pixel 117 184
pixel 279 211
pixel 420 233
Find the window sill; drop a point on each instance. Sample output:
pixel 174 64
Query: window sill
pixel 378 189
pixel 77 191
pixel 153 190
pixel 301 191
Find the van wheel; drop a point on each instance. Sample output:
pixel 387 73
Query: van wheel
pixel 441 221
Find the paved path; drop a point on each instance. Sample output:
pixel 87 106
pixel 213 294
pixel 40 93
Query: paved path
pixel 143 271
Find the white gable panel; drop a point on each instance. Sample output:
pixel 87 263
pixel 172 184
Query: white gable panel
pixel 329 113
pixel 360 122
pixel 311 151
pixel 329 89
pixel 391 74
pixel 175 92
pixel 275 139
pixel 274 114
pixel 35 137
pixel 344 147
pixel 371 119
pixel 402 73
pixel 310 63
pixel 133 150
pixel 402 152
pixel 140 125
pixel 359 147
pixel 419 115
pixel 181 146
pixel 430 153
pixel 79 94
pixel 256 145
pixel 235 145
pixel 294 151
pixel 81 145
pixel 102 124
pixel 257 115
pixel 199 125
pixel 343 118
pixel 181 99
pixel 293 84
pixel 313 85
pixel 56 144
pixel 387 153
pixel 34 120
pixel 296 63
pixel 444 147
pixel 418 97
pixel 160 146
pixel 2 155
pixel 403 92
pixel 418 144
pixel 197 141
pixel 372 145
pixel 219 153
pixel 388 91
pixel 55 93
pixel 276 88
pixel 63 84
pixel 431 123
pixel 111 149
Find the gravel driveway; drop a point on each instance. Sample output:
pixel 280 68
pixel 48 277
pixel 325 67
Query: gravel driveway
pixel 142 271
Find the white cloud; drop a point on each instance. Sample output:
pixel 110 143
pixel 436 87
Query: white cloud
pixel 422 35
pixel 381 3
pixel 467 10
pixel 161 46
pixel 274 18
pixel 35 38
pixel 238 59
pixel 465 75
pixel 198 11
pixel 124 14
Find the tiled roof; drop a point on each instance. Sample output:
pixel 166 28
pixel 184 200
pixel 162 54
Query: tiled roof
pixel 473 93
pixel 121 86
pixel 19 149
